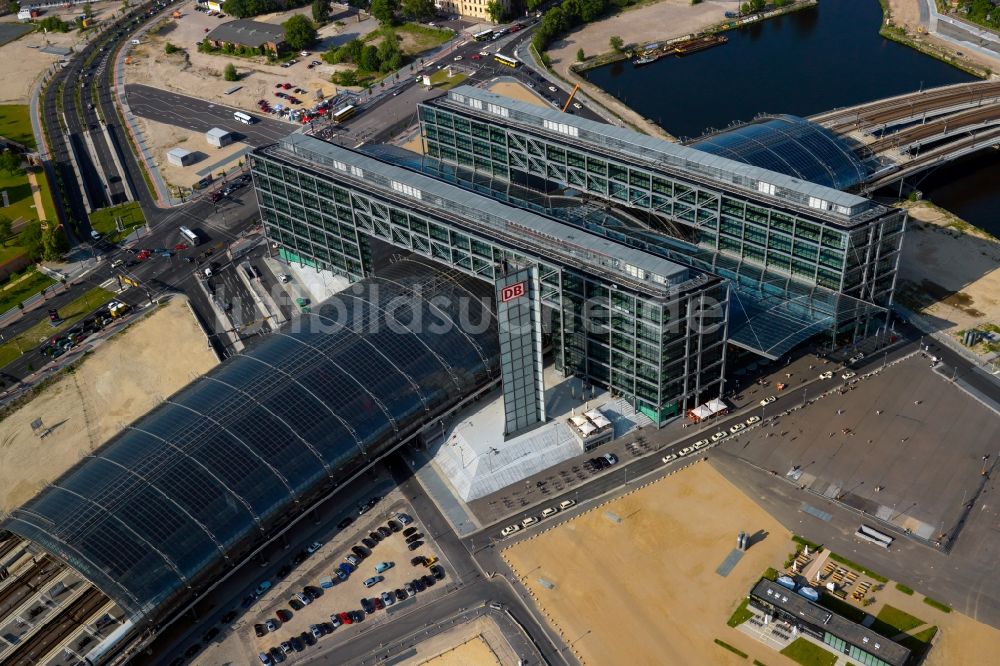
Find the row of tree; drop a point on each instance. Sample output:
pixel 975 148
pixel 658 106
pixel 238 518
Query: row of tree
pixel 983 12
pixel 569 14
pixel 248 8
pixel 369 59
pixel 389 12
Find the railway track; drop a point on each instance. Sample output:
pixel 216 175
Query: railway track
pixel 56 631
pixel 16 591
pixel 902 106
pixel 927 130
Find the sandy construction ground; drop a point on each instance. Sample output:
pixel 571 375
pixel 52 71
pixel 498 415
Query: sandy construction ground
pixel 200 74
pixel 646 591
pixel 123 379
pixel 906 14
pixel 961 640
pixel 474 651
pixel 16 82
pixel 519 91
pixel 161 137
pixel 959 269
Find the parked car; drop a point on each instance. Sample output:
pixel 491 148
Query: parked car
pixel 367 606
pixel 394 526
pixel 414 545
pixel 313 547
pixel 767 401
pixel 260 630
pixel 427 580
pixel 565 504
pixel 510 529
pixel 383 566
pixel 404 518
pixel 262 587
pixel 283 614
pixel 409 588
pixel 437 571
pixel 296 604
pixel 737 427
pixel 670 457
pixel 385 531
pixel 315 631
pixel 346 618
pixel 304 598
pixel 400 593
pixel 408 531
pixel 335 620
pixel 346 521
pixel 359 551
pixel 374 580
pixel 270 625
pixel 417 561
pixel 388 598
pixel 414 537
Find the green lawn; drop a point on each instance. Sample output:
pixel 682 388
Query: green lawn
pixel 894 621
pixel 22 204
pixel 71 313
pixel 439 79
pixel 419 38
pixel 15 124
pixel 103 220
pixel 809 654
pixel 8 252
pixel 48 203
pixel 740 615
pixel 27 285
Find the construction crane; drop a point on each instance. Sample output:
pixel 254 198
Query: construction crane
pixel 570 99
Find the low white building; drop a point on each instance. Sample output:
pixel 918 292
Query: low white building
pixel 218 137
pixel 181 157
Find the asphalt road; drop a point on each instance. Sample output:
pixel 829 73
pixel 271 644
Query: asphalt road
pixel 200 116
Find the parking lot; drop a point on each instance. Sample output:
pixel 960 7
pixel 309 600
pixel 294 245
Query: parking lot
pixel 903 445
pixel 337 601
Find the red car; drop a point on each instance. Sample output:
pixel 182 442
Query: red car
pixel 286 85
pixel 476 56
pixel 345 618
pixel 143 256
pixel 180 246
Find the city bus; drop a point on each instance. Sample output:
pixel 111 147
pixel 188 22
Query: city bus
pixel 244 118
pixel 504 60
pixel 344 113
pixel 483 36
pixel 190 236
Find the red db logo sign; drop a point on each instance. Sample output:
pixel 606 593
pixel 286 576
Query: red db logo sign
pixel 512 292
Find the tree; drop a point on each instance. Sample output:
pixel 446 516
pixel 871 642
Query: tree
pixel 533 5
pixel 10 162
pixel 384 11
pixel 745 8
pixel 369 59
pixel 389 55
pixel 494 10
pixel 321 11
pixel 580 57
pixel 418 10
pixel 757 5
pixel 53 241
pixel 300 32
pixel 169 48
pixel 88 11
pixel 230 73
pixel 616 42
pixel 30 239
pixel 5 228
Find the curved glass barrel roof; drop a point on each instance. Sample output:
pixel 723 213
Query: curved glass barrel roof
pixel 160 511
pixel 793 146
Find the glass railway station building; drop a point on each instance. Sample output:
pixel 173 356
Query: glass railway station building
pixel 628 261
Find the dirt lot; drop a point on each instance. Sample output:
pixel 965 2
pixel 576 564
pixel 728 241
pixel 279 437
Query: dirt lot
pixel 119 382
pixel 645 591
pixel 200 74
pixel 16 82
pixel 516 90
pixel 345 595
pixel 950 262
pixel 906 14
pixel 162 137
pixel 474 651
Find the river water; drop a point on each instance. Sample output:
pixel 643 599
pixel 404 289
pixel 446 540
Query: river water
pixel 804 63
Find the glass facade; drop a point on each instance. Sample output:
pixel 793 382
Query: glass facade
pixel 665 362
pixel 168 505
pixel 519 317
pixel 794 271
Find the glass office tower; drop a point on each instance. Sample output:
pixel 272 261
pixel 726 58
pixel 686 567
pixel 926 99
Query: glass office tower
pixel 801 258
pixel 649 329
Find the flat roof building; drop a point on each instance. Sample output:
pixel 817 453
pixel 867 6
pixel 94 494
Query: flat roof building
pixel 846 637
pixel 181 157
pixel 248 33
pixel 218 137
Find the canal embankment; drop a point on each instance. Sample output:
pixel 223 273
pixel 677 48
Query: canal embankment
pixel 905 22
pixel 660 23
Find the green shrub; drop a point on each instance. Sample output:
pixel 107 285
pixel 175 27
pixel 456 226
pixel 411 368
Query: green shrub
pixel 904 589
pixel 729 647
pixel 170 49
pixel 229 73
pixel 937 604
